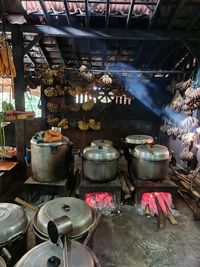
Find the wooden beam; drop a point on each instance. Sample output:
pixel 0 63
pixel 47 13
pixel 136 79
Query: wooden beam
pixel 166 57
pixel 60 51
pixel 86 14
pixel 107 13
pixel 31 44
pixel 176 13
pixel 46 14
pixel 193 21
pixel 193 51
pixel 44 52
pixel 67 12
pixel 110 34
pixel 154 13
pixel 31 59
pixel 139 51
pixel 19 88
pixel 128 21
pixel 154 53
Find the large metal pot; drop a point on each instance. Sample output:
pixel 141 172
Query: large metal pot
pixel 102 142
pixel 100 163
pixel 79 213
pixel 51 161
pixel 14 224
pixel 150 162
pixel 46 253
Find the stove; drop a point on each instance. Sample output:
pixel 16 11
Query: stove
pixel 105 196
pixel 146 186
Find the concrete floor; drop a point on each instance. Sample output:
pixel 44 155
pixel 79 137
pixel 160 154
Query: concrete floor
pixel 131 240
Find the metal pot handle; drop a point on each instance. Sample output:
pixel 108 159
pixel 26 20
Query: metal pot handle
pixel 6 254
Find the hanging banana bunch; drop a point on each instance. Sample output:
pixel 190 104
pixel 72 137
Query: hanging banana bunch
pixel 7 67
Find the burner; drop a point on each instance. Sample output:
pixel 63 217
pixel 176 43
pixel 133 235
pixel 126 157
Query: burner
pixel 111 190
pixel 144 186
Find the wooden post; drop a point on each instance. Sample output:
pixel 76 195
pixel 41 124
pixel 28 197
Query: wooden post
pixel 19 85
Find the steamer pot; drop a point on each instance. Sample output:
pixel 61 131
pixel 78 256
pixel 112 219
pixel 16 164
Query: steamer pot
pixel 150 163
pixel 51 161
pixel 100 163
pixel 43 255
pixel 14 224
pixel 79 213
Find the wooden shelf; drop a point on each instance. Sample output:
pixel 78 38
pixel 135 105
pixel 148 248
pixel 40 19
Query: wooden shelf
pixel 22 116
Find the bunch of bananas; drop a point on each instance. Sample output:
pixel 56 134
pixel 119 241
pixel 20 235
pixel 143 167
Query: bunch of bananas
pixel 7 106
pixel 52 121
pixel 96 126
pixel 63 124
pixel 7 67
pixel 52 107
pixel 88 105
pixel 73 107
pixel 84 126
pixel 51 91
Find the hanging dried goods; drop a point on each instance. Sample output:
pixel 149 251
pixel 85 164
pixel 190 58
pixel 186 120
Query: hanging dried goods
pixel 52 121
pixel 84 126
pixel 7 67
pixel 190 122
pixel 87 106
pixel 73 107
pixel 94 125
pixel 63 124
pixel 52 107
pixel 106 79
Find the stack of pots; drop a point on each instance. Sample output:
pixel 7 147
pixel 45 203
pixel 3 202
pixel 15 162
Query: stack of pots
pixel 50 161
pixel 51 255
pixel 14 224
pixel 131 141
pixel 100 163
pixel 76 210
pixel 150 162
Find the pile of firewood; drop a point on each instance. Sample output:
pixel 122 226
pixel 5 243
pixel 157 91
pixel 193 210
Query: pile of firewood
pixel 189 186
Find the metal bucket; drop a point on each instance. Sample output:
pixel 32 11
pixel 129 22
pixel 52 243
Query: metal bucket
pixel 51 161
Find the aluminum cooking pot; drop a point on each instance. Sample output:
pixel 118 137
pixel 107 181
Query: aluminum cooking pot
pixel 50 161
pixel 14 224
pixel 150 162
pixel 100 163
pixel 102 142
pixel 80 214
pixel 47 253
pixel 138 139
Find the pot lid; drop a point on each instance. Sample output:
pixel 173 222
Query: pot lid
pixel 139 139
pixel 151 153
pixel 101 142
pixel 13 222
pixel 100 153
pixel 2 262
pixel 77 210
pixel 78 255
